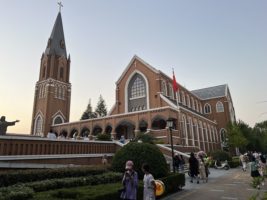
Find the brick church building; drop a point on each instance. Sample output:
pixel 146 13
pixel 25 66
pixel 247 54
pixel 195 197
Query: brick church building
pixel 144 101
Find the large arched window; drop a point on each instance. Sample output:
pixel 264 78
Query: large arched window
pixel 164 88
pixel 178 96
pixel 219 106
pixel 193 103
pixel 171 91
pixel 183 98
pixel 196 103
pixel 138 88
pixel 207 108
pixel 137 98
pixel 38 128
pixel 200 108
pixel 188 101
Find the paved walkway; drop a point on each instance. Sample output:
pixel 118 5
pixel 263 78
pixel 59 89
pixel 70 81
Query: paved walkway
pixel 233 184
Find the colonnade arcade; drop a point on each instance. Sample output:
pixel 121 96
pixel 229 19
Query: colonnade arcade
pixel 187 131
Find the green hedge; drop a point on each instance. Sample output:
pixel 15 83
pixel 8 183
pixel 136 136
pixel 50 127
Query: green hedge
pixel 7 179
pixel 109 191
pixel 103 137
pixel 19 192
pixel 45 185
pixel 173 182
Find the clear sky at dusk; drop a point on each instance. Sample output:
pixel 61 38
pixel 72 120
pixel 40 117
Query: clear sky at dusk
pixel 207 42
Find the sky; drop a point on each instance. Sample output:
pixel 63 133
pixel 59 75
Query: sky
pixel 207 42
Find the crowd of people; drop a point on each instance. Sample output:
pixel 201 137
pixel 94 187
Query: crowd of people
pixel 257 164
pixel 199 167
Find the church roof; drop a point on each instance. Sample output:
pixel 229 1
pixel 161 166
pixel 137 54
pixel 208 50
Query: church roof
pixel 211 92
pixel 56 43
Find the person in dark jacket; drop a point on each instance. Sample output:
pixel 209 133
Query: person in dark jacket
pixel 193 167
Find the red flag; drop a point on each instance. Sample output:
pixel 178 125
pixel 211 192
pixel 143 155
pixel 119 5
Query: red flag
pixel 174 83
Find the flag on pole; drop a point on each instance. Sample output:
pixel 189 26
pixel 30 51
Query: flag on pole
pixel 174 83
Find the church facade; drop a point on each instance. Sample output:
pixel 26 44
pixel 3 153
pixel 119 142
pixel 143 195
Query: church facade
pixel 144 101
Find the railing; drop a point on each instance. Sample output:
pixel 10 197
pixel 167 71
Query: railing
pixel 16 145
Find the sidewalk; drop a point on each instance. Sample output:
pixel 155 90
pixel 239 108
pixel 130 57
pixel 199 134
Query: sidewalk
pixel 233 184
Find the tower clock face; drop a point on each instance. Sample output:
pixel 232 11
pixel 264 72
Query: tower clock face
pixel 62 44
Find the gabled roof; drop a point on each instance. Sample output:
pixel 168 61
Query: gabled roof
pixel 211 92
pixel 135 57
pixel 56 43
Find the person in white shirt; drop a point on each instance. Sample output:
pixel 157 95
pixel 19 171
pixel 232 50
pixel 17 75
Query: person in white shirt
pixel 149 184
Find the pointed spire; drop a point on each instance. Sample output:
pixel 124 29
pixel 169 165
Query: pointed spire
pixel 56 42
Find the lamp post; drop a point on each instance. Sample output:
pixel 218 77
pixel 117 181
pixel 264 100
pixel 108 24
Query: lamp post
pixel 170 126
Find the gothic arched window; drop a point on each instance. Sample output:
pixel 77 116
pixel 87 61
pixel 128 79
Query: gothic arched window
pixel 219 106
pixel 138 88
pixel 137 98
pixel 164 88
pixel 58 120
pixel 183 98
pixel 171 91
pixel 207 108
pixel 38 126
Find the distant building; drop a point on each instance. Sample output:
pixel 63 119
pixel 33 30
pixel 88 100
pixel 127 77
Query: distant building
pixel 145 100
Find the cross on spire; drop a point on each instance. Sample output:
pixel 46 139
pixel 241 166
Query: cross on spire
pixel 60 5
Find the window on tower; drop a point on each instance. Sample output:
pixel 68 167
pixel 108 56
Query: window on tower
pixel 44 69
pixel 61 73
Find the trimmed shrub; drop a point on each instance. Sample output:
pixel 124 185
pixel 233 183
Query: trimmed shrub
pixel 234 163
pixel 16 193
pixel 220 155
pixel 7 179
pixel 173 183
pixel 103 137
pixel 141 153
pixel 145 138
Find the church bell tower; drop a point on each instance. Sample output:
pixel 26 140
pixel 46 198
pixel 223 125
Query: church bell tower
pixel 53 90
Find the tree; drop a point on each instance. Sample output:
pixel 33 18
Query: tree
pixel 235 137
pixel 260 136
pixel 88 114
pixel 101 108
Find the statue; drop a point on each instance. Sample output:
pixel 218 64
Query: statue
pixel 4 124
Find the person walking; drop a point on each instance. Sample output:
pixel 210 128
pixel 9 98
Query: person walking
pixel 129 182
pixel 177 162
pixel 182 163
pixel 262 167
pixel 202 171
pixel 254 170
pixel 149 184
pixel 193 167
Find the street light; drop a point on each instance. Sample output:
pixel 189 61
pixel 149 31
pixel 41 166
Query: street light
pixel 170 126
